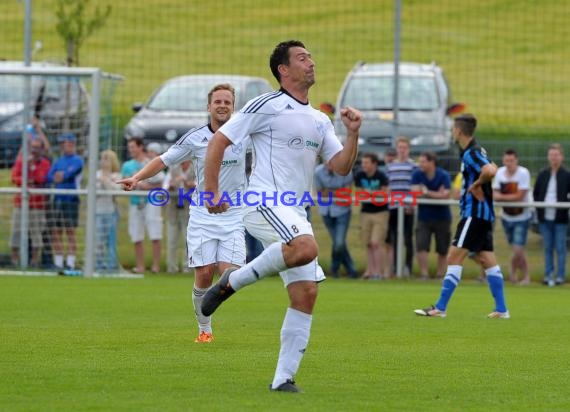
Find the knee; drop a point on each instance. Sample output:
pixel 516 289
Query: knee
pixel 304 296
pixel 304 250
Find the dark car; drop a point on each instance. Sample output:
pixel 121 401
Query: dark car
pixel 61 103
pixel 180 105
pixel 424 115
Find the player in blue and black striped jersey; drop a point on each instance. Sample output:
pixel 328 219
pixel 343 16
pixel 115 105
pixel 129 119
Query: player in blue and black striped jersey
pixel 475 229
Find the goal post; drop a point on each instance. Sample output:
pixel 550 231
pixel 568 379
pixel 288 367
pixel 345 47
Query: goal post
pixel 79 99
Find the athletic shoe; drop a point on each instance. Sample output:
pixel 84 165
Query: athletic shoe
pixel 559 281
pixel 287 386
pixel 432 311
pixel 204 337
pixel 499 315
pixel 217 293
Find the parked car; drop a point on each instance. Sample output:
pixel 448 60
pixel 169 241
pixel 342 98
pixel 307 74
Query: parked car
pixel 180 103
pixel 61 103
pixel 425 109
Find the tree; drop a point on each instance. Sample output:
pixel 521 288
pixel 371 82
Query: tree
pixel 74 27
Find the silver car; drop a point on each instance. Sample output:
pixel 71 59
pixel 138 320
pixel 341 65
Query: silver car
pixel 424 115
pixel 180 105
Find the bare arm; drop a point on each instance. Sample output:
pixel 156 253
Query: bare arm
pixel 214 157
pixel 509 197
pixel 149 170
pixel 343 161
pixel 487 174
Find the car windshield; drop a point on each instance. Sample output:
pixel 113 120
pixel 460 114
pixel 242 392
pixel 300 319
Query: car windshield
pixel 377 93
pixel 185 96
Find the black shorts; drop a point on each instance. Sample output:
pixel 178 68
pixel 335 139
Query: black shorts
pixel 65 214
pixel 441 229
pixel 474 234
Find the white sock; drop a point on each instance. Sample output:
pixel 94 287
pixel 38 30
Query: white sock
pixel 58 261
pixel 295 334
pixel 204 322
pixel 70 261
pixel 269 262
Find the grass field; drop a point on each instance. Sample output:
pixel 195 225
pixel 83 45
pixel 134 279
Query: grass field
pixel 115 344
pixel 508 60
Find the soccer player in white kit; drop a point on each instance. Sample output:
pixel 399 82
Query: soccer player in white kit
pixel 211 240
pixel 287 134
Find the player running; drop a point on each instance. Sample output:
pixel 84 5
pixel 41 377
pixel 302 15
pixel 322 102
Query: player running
pixel 212 240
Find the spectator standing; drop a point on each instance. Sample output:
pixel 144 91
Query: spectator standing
pixel 373 218
pixel 107 213
pixel 512 184
pixel 434 183
pixel 336 217
pixel 143 215
pixel 179 177
pixel 553 185
pixel 65 173
pixel 38 169
pixel 399 180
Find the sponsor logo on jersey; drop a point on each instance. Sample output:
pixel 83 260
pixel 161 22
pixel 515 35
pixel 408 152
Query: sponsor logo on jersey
pixel 296 143
pixel 231 162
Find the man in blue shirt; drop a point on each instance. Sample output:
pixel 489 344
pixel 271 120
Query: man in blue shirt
pixel 475 229
pixel 433 183
pixel 335 217
pixel 65 173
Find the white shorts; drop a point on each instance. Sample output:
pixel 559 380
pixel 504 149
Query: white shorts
pixel 147 216
pixel 270 224
pixel 212 243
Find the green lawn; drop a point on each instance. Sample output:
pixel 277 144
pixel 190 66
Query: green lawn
pixel 116 344
pixel 508 60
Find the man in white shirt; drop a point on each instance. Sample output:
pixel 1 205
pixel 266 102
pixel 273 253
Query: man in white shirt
pixel 511 184
pixel 213 241
pixel 287 135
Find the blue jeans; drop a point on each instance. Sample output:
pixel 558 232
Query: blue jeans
pixel 338 227
pixel 106 248
pixel 554 237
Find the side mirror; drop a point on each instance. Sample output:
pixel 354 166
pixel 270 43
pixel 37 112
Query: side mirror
pixel 456 108
pixel 137 107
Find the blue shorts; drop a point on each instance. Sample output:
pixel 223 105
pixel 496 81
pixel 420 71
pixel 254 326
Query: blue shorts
pixel 516 232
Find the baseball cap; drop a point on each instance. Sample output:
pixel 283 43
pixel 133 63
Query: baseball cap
pixel 67 137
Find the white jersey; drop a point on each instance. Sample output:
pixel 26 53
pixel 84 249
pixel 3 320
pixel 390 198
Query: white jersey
pixel 286 136
pixel 504 183
pixel 193 146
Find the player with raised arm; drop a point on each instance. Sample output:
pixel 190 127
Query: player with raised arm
pixel 212 240
pixel 475 229
pixel 287 135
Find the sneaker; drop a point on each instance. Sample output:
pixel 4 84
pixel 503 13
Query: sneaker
pixel 559 281
pixel 287 386
pixel 432 311
pixel 499 315
pixel 217 293
pixel 204 337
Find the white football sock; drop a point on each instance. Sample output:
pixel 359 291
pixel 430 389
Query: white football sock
pixel 70 261
pixel 58 261
pixel 295 334
pixel 204 322
pixel 269 262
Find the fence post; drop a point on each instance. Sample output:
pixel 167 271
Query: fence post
pixel 90 232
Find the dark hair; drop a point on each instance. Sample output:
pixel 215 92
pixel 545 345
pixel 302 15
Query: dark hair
pixel 372 156
pixel 467 123
pixel 511 152
pixel 222 86
pixel 280 56
pixel 138 141
pixel 430 157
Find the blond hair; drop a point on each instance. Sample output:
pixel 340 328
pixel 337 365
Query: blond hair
pixel 113 159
